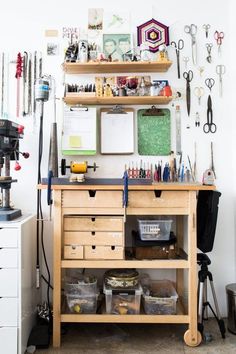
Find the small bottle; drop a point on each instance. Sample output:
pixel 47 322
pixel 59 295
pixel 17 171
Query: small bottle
pixel 178 129
pixel 142 87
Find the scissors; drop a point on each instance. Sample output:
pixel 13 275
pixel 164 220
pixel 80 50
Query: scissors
pixel 206 28
pixel 209 126
pixel 192 30
pixel 209 48
pixel 188 76
pixel 220 70
pixel 186 60
pixel 210 82
pixel 178 47
pixel 199 92
pixel 219 38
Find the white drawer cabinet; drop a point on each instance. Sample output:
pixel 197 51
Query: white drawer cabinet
pixel 18 295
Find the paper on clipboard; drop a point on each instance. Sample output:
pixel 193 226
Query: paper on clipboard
pixel 79 131
pixel 117 132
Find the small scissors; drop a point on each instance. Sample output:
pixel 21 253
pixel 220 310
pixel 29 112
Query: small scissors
pixel 178 47
pixel 219 39
pixel 209 48
pixel 192 30
pixel 220 70
pixel 188 76
pixel 206 28
pixel 199 92
pixel 186 60
pixel 210 82
pixel 209 126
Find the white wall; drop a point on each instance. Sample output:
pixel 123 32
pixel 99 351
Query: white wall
pixel 24 28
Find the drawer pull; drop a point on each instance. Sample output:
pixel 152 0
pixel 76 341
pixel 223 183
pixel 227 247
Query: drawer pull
pixel 93 247
pixel 93 219
pixel 92 193
pixel 157 193
pixel 93 233
pixel 112 248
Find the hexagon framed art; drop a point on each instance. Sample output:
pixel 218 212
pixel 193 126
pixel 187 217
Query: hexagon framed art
pixel 154 34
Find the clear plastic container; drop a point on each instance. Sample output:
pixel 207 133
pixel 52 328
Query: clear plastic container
pixel 160 298
pixel 123 302
pixel 153 230
pixel 82 303
pixel 84 285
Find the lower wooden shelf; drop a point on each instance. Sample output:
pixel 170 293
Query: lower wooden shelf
pixel 133 100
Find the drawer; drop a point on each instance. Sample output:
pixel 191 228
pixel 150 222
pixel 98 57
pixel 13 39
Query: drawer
pixel 8 311
pixel 99 238
pixel 98 223
pixel 73 252
pixel 166 199
pixel 103 252
pixel 8 340
pixel 8 282
pixel 8 238
pixel 92 199
pixel 8 258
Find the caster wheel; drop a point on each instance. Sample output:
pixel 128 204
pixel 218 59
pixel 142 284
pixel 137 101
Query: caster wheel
pixel 192 342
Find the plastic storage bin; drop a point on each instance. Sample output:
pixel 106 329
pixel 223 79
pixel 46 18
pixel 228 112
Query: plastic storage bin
pixel 153 230
pixel 123 302
pixel 81 294
pixel 160 298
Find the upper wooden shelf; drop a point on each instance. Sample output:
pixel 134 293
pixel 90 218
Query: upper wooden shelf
pixel 132 100
pixel 116 67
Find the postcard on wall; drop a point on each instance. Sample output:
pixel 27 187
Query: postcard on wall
pixel 95 19
pixel 116 22
pixel 115 45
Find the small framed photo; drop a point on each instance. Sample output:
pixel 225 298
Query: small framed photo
pixel 116 45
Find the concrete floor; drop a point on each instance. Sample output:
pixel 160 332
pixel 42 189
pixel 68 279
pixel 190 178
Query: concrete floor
pixel 138 339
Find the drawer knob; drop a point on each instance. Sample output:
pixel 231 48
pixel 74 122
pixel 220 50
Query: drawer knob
pixel 92 193
pixel 93 219
pixel 93 233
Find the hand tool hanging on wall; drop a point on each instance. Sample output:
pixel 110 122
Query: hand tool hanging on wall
pixel 219 36
pixel 25 69
pixel 188 76
pixel 199 92
pixel 178 129
pixel 19 69
pixel 197 119
pixel 212 160
pixel 209 48
pixel 220 70
pixel 209 126
pixel 210 82
pixel 30 85
pixel 206 29
pixel 34 79
pixel 192 31
pixel 178 46
pixel 53 147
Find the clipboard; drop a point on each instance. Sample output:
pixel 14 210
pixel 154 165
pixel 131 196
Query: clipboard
pixel 117 130
pixel 154 131
pixel 79 130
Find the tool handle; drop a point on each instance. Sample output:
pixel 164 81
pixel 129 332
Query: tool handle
pixel 49 189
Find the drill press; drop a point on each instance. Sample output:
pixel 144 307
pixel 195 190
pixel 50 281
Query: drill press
pixel 10 133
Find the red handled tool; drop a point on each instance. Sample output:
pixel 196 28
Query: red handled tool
pixel 19 69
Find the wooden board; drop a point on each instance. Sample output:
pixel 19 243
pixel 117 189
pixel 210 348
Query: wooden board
pixel 154 133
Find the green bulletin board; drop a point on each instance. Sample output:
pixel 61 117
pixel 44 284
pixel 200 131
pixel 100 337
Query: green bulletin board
pixel 154 133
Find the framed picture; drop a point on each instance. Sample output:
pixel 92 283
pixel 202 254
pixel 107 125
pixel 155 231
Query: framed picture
pixel 116 45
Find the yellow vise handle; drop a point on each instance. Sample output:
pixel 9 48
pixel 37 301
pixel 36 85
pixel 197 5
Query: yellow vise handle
pixel 78 167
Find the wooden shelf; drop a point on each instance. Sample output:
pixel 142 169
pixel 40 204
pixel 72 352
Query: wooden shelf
pixel 116 67
pixel 147 264
pixel 132 100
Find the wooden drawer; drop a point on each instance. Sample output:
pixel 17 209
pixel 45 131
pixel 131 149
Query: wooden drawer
pixel 98 223
pixel 8 340
pixel 8 258
pixel 8 238
pixel 103 252
pixel 92 199
pixel 99 238
pixel 8 311
pixel 8 282
pixel 73 252
pixel 166 199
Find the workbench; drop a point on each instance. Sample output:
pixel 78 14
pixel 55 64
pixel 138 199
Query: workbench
pixel 72 201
